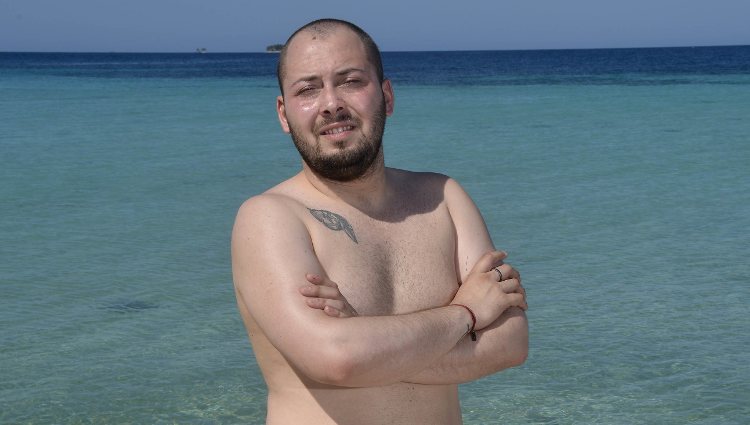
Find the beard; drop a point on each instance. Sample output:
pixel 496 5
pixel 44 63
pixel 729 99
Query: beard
pixel 344 164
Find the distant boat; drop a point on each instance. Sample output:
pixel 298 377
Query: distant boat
pixel 201 50
pixel 274 48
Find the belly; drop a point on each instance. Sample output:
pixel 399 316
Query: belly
pixel 394 404
pixel 295 399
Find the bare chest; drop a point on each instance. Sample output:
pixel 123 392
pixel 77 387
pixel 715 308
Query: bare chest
pixel 390 267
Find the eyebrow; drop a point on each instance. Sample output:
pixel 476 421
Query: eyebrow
pixel 345 71
pixel 349 71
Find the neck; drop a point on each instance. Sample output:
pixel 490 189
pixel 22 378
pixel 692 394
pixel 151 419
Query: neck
pixel 368 193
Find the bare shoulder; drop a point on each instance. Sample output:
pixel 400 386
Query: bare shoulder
pixel 260 213
pixel 442 185
pixel 268 226
pixel 456 196
pixel 419 183
pixel 418 177
pixel 278 205
pixel 269 230
pixel 266 206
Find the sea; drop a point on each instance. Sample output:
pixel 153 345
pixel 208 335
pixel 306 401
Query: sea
pixel 618 180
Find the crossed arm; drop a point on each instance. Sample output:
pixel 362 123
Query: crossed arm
pixel 370 351
pixel 504 342
pixel 501 345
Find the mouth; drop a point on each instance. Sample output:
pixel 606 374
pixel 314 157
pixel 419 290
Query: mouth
pixel 336 129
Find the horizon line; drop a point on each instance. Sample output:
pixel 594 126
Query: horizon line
pixel 207 51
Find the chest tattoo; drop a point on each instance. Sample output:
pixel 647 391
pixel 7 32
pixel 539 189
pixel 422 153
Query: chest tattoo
pixel 334 221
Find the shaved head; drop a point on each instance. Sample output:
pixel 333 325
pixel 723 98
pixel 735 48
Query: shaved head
pixel 322 28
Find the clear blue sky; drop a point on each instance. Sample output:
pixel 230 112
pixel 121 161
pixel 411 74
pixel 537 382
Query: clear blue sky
pixel 249 26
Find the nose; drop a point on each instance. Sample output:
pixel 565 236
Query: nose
pixel 331 103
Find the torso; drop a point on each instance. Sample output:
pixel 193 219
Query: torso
pixel 401 262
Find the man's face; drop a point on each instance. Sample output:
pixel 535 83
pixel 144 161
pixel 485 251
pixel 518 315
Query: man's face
pixel 333 106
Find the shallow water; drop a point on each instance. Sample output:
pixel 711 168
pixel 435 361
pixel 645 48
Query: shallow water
pixel 620 193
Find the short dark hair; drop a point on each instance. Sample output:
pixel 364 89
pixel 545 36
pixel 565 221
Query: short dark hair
pixel 323 26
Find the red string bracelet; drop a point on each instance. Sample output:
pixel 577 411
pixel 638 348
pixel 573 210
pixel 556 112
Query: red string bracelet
pixel 473 322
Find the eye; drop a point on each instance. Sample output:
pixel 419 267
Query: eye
pixel 352 82
pixel 305 91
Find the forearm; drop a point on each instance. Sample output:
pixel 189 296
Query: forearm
pixel 502 345
pixel 371 351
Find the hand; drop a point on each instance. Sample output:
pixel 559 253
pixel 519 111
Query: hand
pixel 487 297
pixel 324 295
pixel 508 272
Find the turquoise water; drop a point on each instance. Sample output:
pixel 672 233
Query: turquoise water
pixel 623 199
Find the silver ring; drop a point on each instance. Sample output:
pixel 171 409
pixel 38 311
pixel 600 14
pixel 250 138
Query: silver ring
pixel 499 273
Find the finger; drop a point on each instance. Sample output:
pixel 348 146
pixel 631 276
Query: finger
pixel 331 308
pixel 488 261
pixel 317 303
pixel 517 300
pixel 330 293
pixel 506 271
pixel 499 272
pixel 332 311
pixel 509 272
pixel 320 280
pixel 309 290
pixel 511 286
pixel 321 292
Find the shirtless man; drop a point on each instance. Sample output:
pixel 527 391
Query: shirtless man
pixel 412 261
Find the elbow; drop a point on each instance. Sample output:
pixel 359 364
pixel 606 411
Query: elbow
pixel 518 343
pixel 521 353
pixel 334 358
pixel 346 366
pixel 339 372
pixel 331 366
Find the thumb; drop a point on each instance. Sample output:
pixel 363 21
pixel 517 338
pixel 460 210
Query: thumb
pixel 488 261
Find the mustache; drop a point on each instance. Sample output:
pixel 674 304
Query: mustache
pixel 338 119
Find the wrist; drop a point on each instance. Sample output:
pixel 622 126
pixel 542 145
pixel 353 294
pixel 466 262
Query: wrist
pixel 469 326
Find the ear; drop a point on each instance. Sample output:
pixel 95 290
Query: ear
pixel 388 96
pixel 281 111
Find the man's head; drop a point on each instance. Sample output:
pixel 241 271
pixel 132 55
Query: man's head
pixel 326 26
pixel 334 99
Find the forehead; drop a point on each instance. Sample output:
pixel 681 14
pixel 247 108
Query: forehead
pixel 318 52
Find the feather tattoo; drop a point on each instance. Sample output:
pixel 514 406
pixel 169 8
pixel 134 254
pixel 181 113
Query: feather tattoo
pixel 334 222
